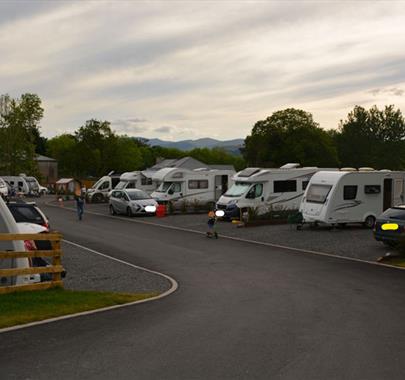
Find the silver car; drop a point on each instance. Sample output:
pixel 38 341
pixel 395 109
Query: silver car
pixel 131 202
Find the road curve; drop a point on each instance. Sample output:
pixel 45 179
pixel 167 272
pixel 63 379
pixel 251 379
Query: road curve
pixel 242 311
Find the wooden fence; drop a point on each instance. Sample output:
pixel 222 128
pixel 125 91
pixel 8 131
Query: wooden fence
pixel 56 268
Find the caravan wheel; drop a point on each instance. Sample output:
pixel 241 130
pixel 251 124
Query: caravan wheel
pixel 369 222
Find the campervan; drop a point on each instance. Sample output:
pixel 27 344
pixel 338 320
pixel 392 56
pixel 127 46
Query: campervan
pixel 100 190
pixel 141 180
pixel 266 189
pixel 9 225
pixel 351 196
pixel 18 183
pixel 199 185
pixel 3 188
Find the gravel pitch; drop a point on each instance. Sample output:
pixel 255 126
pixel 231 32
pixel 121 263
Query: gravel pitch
pixel 352 241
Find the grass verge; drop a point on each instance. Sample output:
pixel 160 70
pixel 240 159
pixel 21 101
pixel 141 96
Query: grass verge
pixel 24 307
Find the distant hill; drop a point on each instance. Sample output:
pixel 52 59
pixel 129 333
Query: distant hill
pixel 231 146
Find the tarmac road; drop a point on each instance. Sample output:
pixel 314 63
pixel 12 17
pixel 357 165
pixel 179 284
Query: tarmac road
pixel 242 311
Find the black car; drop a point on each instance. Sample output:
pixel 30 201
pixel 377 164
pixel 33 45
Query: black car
pixel 389 227
pixel 28 212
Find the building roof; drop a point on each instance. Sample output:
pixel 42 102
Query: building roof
pixel 41 158
pixel 63 181
pixel 185 162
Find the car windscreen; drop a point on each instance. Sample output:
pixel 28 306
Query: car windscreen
pixel 26 214
pixel 238 189
pixel 138 195
pixel 394 213
pixel 97 183
pixel 317 193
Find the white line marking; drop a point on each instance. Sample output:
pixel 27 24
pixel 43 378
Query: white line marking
pixel 242 240
pixel 172 289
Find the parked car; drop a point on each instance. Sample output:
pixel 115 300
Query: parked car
pixel 390 226
pixel 8 225
pixel 131 202
pixel 28 212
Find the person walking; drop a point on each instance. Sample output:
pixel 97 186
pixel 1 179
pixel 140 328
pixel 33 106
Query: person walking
pixel 80 206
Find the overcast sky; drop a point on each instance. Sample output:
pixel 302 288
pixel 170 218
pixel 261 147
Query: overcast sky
pixel 190 69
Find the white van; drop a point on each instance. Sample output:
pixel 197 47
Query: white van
pixel 100 190
pixel 266 189
pixel 351 196
pixel 198 185
pixel 9 225
pixel 18 183
pixel 136 180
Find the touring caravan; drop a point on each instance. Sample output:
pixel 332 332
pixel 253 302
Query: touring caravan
pixel 18 183
pixel 100 190
pixel 351 196
pixel 199 185
pixel 266 189
pixel 141 180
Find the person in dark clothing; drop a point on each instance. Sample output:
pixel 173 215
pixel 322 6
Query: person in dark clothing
pixel 80 206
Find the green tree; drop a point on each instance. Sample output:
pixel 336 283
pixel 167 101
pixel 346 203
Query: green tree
pixel 19 121
pixel 63 148
pixel 372 138
pixel 290 135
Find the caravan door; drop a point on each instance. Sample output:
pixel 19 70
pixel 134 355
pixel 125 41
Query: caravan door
pixel 221 185
pixel 387 195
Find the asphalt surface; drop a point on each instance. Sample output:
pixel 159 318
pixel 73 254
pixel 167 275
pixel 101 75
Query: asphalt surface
pixel 242 311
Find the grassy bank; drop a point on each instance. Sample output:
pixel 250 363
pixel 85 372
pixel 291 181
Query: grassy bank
pixel 24 307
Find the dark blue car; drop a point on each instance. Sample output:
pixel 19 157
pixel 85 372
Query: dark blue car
pixel 389 227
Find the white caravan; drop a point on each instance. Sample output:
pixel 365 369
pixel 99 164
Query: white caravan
pixel 266 189
pixel 198 185
pixel 141 180
pixel 351 196
pixel 18 183
pixel 100 190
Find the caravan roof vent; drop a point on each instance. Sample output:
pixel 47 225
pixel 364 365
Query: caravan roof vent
pixel 249 172
pixel 348 169
pixel 290 166
pixel 385 170
pixel 366 169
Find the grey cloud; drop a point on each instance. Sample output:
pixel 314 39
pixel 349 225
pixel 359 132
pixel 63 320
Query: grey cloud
pixel 164 129
pixel 389 91
pixel 129 125
pixel 11 11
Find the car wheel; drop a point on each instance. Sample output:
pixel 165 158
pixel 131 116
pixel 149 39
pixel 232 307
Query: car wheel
pixel 369 222
pixel 112 211
pixel 129 212
pixel 97 198
pixel 389 243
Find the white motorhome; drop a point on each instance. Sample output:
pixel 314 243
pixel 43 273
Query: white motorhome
pixel 141 180
pixel 199 185
pixel 18 183
pixel 100 190
pixel 266 189
pixel 351 196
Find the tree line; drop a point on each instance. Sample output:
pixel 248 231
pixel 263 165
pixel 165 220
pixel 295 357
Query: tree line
pixel 371 137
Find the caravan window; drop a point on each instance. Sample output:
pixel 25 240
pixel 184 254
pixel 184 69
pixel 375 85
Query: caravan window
pixel 255 192
pixel 285 186
pixel 198 184
pixel 349 192
pixel 146 180
pixel 318 193
pixel 372 189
